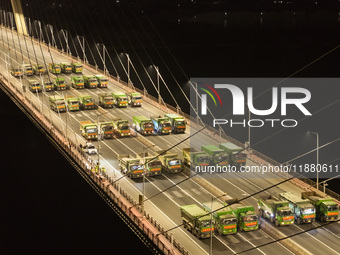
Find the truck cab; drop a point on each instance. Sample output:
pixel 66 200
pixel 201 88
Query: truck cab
pixel 77 82
pixel 66 68
pixel 130 166
pixel 177 122
pixel 135 99
pixel 246 217
pixel 72 104
pixel 120 98
pixel 225 220
pixel 28 69
pixel 54 68
pixel 38 69
pixel 161 125
pixel 303 209
pixel 86 102
pixel 60 84
pixel 57 103
pixel 89 130
pixel 105 129
pixel 143 125
pixel 90 81
pixel 170 161
pixel 16 71
pixel 77 68
pixel 193 157
pixel 121 127
pixel 217 156
pixel 48 85
pixel 152 165
pixel 34 85
pixel 102 80
pixel 105 100
pixel 196 221
pixel 237 157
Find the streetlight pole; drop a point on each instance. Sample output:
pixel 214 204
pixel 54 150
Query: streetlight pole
pixel 317 158
pixel 196 92
pixel 211 225
pixel 144 164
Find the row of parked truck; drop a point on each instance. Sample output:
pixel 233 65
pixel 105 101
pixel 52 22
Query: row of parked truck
pixel 77 82
pixel 283 209
pixel 149 164
pixel 87 102
pixel 38 69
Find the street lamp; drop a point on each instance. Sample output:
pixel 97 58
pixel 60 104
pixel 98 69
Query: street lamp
pixel 144 149
pixel 82 46
pixel 102 56
pixel 211 225
pixel 317 158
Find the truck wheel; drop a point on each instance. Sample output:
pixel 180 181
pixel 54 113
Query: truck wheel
pixel 261 213
pixel 299 221
pixel 276 223
pixel 240 229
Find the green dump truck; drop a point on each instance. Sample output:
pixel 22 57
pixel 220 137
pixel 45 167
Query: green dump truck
pixel 89 130
pixel 177 122
pixel 48 85
pixel 143 125
pixel 193 157
pixel 245 214
pixel 105 129
pixel 236 157
pixel 161 125
pixel 120 99
pixel 72 103
pixel 60 84
pixel 66 68
pixel 105 100
pixel 77 68
pixel 16 71
pixel 170 161
pixel 102 80
pixel 77 82
pixel 54 68
pixel 224 219
pixel 90 81
pixel 135 99
pixel 130 166
pixel 28 69
pixel 38 69
pixel 34 85
pixel 86 102
pixel 152 165
pixel 121 127
pixel 303 209
pixel 326 208
pixel 195 220
pixel 57 103
pixel 217 156
pixel 275 210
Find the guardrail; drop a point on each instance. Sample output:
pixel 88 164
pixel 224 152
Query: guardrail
pixel 152 229
pixel 169 108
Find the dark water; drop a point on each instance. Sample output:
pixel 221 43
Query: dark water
pixel 47 208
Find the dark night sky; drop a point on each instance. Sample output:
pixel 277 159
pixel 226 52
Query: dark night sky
pixel 225 39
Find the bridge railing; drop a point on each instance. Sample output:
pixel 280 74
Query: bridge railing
pixel 150 227
pixel 219 136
